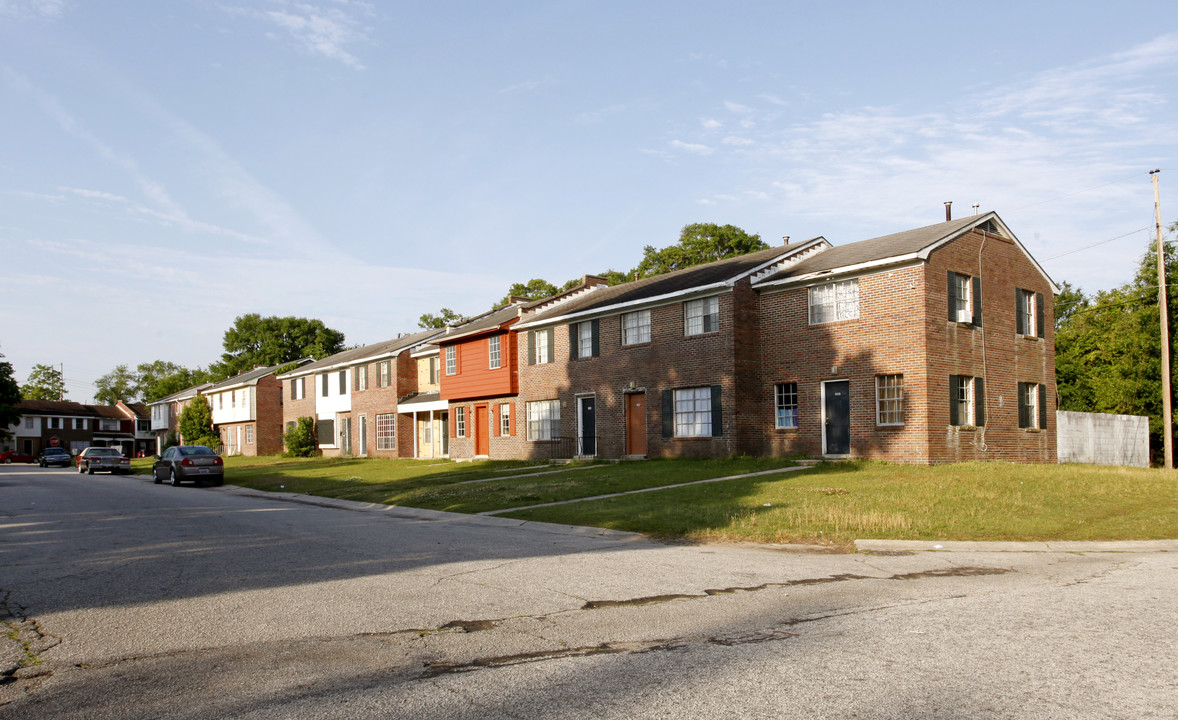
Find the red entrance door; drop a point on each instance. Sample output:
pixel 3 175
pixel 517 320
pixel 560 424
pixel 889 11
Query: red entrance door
pixel 482 430
pixel 636 424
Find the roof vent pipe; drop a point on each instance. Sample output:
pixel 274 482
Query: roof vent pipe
pixel 786 239
pixel 948 210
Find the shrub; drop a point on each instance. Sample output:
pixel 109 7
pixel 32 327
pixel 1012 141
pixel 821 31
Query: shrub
pixel 300 440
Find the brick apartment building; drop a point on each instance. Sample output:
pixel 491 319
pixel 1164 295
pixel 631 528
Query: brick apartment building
pixel 926 346
pixel 353 397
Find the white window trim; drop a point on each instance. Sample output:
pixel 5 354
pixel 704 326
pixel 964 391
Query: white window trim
pixel 778 406
pixel 692 412
pixel 638 332
pixel 833 302
pixel 494 352
pixel 880 401
pixel 709 308
pixel 543 420
pixel 451 360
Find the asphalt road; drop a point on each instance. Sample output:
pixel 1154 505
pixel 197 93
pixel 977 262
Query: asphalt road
pixel 126 599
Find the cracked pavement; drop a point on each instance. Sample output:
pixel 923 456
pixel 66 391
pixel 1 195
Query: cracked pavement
pixel 143 601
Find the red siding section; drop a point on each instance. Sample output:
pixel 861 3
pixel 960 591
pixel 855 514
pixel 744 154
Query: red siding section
pixel 474 377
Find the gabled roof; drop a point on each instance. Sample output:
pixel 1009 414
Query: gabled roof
pixel 488 321
pixel 347 358
pixel 903 247
pixel 55 407
pixel 249 377
pixel 185 394
pixel 716 275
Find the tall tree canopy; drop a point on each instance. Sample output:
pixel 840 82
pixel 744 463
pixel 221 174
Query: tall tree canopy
pixel 255 340
pixel 1108 345
pixel 45 383
pixel 699 243
pixel 534 289
pixel 118 384
pixel 445 317
pixel 9 397
pixel 162 378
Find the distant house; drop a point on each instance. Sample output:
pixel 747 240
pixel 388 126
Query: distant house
pixel 353 397
pixel 247 412
pixel 165 414
pixel 74 426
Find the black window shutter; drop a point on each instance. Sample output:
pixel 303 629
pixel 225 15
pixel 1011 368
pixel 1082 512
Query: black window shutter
pixel 595 326
pixel 954 391
pixel 952 295
pixel 1020 327
pixel 551 346
pixel 1039 314
pixel 979 401
pixel 574 340
pixel 977 301
pixel 1042 406
pixel 668 413
pixel 717 414
pixel 1024 412
pixel 531 347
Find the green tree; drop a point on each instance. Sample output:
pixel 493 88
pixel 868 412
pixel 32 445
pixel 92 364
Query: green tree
pixel 258 341
pixel 300 439
pixel 445 317
pixel 1108 346
pixel 534 289
pixel 45 383
pixel 9 398
pixel 162 378
pixel 699 243
pixel 118 384
pixel 196 423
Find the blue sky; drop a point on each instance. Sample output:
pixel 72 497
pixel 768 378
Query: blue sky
pixel 168 166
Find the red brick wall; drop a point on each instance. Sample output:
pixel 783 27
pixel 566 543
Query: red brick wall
pixel 375 401
pixel 292 410
pixel 270 418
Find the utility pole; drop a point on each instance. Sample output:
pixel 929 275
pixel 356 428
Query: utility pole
pixel 1163 307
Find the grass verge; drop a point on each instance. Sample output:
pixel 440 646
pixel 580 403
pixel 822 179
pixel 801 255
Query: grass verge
pixel 834 503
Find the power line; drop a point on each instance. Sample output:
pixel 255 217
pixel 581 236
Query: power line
pixel 1077 192
pixel 1102 242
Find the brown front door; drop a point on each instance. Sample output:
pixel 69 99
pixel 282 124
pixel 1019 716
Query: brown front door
pixel 482 430
pixel 636 424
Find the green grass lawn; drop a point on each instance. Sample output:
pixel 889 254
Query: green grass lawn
pixel 834 503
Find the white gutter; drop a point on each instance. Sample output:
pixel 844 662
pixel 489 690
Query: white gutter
pixel 712 289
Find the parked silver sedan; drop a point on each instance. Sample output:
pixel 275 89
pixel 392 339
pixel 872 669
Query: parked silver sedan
pixel 189 462
pixel 103 459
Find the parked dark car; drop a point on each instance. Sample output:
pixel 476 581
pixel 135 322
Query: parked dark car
pixel 55 456
pixel 103 459
pixel 189 462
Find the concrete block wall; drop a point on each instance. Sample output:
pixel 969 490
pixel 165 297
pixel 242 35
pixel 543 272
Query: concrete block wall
pixel 1103 439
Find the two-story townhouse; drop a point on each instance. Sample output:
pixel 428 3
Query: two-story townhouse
pixel 479 381
pixel 247 412
pixel 423 410
pixel 353 397
pixel 657 367
pixel 114 428
pixel 930 345
pixel 165 414
pixel 140 417
pixel 54 423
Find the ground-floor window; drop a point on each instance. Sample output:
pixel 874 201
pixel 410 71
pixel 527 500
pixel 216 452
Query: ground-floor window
pixel 1032 410
pixel 460 421
pixel 693 412
pixel 543 420
pixel 967 400
pixel 249 434
pixel 786 397
pixel 505 419
pixel 386 427
pixel 889 399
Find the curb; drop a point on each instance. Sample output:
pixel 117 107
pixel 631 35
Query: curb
pixel 1056 546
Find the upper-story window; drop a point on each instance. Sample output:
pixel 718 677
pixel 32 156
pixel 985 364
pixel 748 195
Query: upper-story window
pixel 451 360
pixel 384 373
pixel 29 423
pixel 232 398
pixel 701 316
pixel 583 339
pixel 343 382
pixel 54 423
pixel 325 385
pixel 360 377
pixel 636 327
pixel 298 388
pixel 1029 313
pixel 108 425
pixel 834 301
pixel 493 352
pixel 79 423
pixel 965 298
pixel 433 370
pixel 540 347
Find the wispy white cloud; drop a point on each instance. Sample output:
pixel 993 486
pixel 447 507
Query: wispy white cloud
pixel 695 148
pixel 322 29
pixel 531 85
pixel 25 9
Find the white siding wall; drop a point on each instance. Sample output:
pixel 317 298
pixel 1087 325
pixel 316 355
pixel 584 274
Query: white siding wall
pixel 230 406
